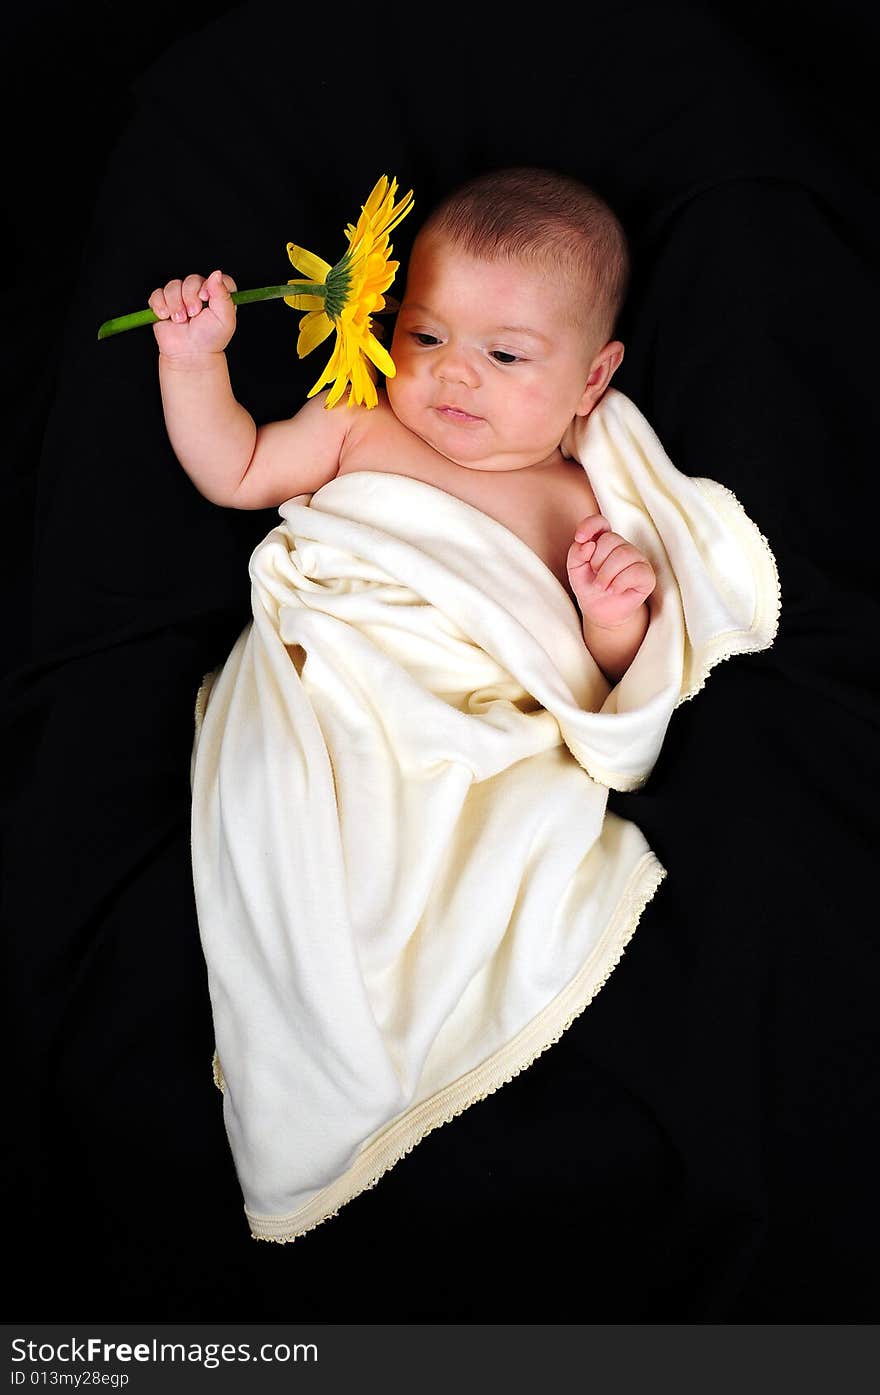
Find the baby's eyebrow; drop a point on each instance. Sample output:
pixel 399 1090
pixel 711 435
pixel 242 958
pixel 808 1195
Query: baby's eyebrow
pixel 523 329
pixel 416 306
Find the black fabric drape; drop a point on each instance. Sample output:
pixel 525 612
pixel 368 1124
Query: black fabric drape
pixel 700 1145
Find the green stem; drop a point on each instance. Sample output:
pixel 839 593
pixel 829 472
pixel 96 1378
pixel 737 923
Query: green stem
pixel 147 317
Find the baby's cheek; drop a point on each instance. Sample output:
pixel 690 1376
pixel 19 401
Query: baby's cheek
pixel 536 402
pixel 394 392
pixel 403 390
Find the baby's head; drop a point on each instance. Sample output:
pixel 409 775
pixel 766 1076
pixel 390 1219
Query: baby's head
pixel 552 224
pixel 513 290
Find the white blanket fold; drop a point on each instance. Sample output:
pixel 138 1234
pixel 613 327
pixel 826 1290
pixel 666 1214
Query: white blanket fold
pixel 407 880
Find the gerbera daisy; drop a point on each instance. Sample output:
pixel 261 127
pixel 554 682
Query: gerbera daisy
pixel 354 291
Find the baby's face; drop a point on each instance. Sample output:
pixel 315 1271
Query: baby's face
pixel 490 368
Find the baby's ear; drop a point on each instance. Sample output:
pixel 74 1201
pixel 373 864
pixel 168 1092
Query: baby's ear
pixel 602 370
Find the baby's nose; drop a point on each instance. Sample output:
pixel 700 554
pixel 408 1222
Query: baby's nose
pixel 453 365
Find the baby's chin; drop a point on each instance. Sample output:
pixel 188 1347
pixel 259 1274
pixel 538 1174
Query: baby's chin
pixel 460 447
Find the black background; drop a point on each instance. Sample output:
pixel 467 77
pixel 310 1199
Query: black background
pixel 700 1146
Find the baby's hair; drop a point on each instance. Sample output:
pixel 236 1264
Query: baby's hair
pixel 546 219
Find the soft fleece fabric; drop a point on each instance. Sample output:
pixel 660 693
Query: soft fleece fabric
pixel 407 879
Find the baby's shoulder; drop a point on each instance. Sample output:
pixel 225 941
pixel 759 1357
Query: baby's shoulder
pixel 369 425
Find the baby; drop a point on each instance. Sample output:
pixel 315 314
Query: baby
pixel 502 339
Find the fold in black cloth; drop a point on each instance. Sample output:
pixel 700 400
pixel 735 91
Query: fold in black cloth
pixel 701 1144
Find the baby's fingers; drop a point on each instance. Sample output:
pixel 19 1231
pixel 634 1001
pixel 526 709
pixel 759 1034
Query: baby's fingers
pixel 218 287
pixel 181 300
pixel 158 303
pixel 189 294
pixel 638 576
pixel 595 543
pixel 176 299
pixel 590 528
pixel 217 293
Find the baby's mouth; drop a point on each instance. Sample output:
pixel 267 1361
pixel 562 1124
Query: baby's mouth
pixel 451 413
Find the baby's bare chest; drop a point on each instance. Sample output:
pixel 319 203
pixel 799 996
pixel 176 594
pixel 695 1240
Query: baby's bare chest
pixel 541 505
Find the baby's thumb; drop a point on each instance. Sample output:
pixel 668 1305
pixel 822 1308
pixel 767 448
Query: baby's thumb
pixel 218 286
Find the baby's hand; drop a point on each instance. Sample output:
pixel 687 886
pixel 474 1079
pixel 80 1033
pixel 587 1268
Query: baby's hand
pixel 196 316
pixel 609 576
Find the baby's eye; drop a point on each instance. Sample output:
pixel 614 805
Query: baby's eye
pixel 502 356
pixel 425 339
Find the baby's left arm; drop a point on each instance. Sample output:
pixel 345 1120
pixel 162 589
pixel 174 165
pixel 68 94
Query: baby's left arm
pixel 612 580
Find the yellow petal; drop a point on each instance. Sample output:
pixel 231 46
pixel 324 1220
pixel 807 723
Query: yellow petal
pixel 336 391
pixel 313 330
pixel 381 357
pixel 314 268
pixel 376 195
pixel 363 387
pixel 339 368
pixel 399 212
pixel 333 365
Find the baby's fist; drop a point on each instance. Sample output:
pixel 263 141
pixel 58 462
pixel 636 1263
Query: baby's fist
pixel 196 316
pixel 609 576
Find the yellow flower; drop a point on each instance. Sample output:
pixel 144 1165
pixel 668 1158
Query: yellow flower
pixel 355 291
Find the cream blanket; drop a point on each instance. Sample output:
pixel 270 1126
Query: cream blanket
pixel 407 880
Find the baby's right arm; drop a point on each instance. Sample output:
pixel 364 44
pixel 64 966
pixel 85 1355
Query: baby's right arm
pixel 229 459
